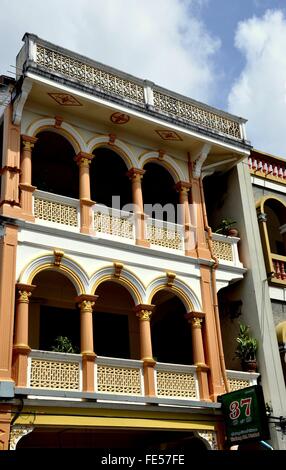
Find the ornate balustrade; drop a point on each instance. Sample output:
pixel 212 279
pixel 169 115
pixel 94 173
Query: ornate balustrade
pixel 56 209
pixel 119 376
pixel 267 169
pixel 113 223
pixel 238 379
pixel 225 249
pixel 55 371
pixel 279 267
pixel 165 234
pixel 176 381
pixel 46 57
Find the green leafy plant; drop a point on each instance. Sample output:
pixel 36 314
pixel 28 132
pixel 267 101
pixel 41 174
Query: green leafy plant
pixel 63 344
pixel 247 345
pixel 225 225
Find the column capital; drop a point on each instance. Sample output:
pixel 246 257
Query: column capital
pixel 195 318
pixel 28 141
pixel 83 158
pixel 183 186
pixel 24 292
pixel 144 311
pixel 136 173
pixel 86 302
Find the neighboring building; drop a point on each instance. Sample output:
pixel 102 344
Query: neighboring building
pixel 147 366
pixel 268 177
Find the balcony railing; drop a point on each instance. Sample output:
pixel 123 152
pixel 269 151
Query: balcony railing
pixel 176 381
pixel 225 249
pixel 279 266
pixel 60 374
pixel 238 379
pixel 56 210
pixel 165 234
pixel 267 168
pixel 114 223
pixel 41 56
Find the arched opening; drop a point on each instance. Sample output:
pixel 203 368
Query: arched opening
pixel 276 219
pixel 158 187
pixel 115 326
pixel 108 178
pixel 171 334
pixel 53 167
pixel 53 312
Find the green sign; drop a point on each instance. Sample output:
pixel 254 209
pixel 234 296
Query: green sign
pixel 245 415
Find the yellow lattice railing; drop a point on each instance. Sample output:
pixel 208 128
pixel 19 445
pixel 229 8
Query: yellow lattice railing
pixel 222 250
pixel 115 379
pixel 164 235
pixel 54 375
pixel 176 384
pixel 196 114
pixel 237 384
pixel 57 212
pixel 113 224
pixel 238 379
pixel 86 73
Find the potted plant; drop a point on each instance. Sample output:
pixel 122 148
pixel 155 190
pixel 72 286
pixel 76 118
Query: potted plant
pixel 246 349
pixel 226 228
pixel 64 345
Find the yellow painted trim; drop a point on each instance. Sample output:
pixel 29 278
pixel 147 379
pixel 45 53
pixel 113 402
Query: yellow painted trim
pixel 112 422
pixel 175 289
pixel 61 268
pixel 116 150
pixel 59 130
pixel 260 174
pixel 121 280
pixel 261 202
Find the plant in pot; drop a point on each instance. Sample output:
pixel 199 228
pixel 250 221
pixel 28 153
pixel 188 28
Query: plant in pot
pixel 64 345
pixel 226 228
pixel 246 349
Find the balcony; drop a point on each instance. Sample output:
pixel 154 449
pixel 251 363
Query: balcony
pixel 60 375
pixel 62 212
pixel 279 269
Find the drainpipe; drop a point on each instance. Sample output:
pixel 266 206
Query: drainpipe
pixel 213 281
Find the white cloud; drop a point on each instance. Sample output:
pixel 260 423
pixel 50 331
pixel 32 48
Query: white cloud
pixel 260 92
pixel 160 40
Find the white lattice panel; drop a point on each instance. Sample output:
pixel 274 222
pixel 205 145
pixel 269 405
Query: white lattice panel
pixel 162 236
pixel 123 380
pixel 176 384
pixel 195 114
pixel 55 375
pixel 112 225
pixel 222 250
pixel 52 211
pixel 237 384
pixel 85 73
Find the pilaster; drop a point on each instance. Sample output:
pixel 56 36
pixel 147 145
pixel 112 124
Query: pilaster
pixel 144 312
pixel 136 175
pixel 86 215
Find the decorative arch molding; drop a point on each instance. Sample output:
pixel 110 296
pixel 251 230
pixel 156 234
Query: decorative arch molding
pixel 261 203
pixel 179 288
pixel 68 267
pixel 66 130
pixel 166 162
pixel 127 279
pixel 117 146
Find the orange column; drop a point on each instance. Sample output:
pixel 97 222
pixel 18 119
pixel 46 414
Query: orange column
pixel 136 175
pixel 8 248
pixel 196 319
pixel 86 220
pixel 26 187
pixel 21 347
pixel 211 334
pixel 144 312
pixel 197 205
pixel 5 420
pixel 86 304
pixel 183 189
pixel 10 170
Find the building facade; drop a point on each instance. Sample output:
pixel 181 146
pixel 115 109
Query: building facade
pixel 110 329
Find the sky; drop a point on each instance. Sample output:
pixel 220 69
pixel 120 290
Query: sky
pixel 230 54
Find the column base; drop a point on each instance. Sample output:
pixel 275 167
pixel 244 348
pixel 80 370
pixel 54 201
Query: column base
pixel 88 361
pixel 144 243
pixel 202 374
pixel 149 376
pixel 10 209
pixel 26 200
pixel 20 364
pixel 86 217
